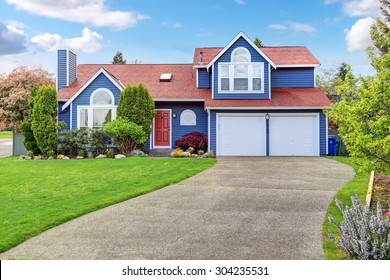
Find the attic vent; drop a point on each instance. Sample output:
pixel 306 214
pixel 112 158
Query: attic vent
pixel 166 77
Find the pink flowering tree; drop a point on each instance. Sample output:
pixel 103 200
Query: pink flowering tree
pixel 15 93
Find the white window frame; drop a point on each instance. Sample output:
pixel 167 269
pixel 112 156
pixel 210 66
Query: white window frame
pixel 250 66
pixel 92 106
pixel 193 121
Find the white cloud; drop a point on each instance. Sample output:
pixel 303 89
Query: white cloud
pixel 240 2
pixel 12 39
pixel 358 37
pixel 292 26
pixel 82 11
pixel 89 42
pixel 177 25
pixel 364 8
pixel 277 26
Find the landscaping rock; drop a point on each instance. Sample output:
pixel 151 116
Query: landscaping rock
pixel 21 157
pixel 101 156
pixel 194 155
pixel 50 158
pixel 79 157
pixel 120 156
pixel 66 158
pixel 136 153
pixel 186 154
pixel 37 158
pixel 28 158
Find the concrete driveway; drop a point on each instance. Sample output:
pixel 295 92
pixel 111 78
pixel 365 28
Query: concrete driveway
pixel 242 208
pixel 5 147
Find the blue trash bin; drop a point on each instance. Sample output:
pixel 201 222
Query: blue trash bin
pixel 332 147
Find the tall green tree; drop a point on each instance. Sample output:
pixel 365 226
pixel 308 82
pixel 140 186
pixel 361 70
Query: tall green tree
pixel 330 79
pixel 137 106
pixel 44 119
pixel 363 114
pixel 118 58
pixel 258 42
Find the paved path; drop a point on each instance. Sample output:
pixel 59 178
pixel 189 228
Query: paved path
pixel 242 208
pixel 5 147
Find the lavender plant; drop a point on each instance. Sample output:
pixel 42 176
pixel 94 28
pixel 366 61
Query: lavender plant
pixel 364 234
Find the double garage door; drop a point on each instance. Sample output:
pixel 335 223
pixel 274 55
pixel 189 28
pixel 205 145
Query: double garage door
pixel 286 135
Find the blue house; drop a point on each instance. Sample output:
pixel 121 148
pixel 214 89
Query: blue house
pixel 250 101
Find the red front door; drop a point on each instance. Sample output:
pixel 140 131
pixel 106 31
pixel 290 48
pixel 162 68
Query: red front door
pixel 162 129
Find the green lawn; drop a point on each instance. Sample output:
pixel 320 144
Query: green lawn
pixel 6 134
pixel 37 195
pixel 357 186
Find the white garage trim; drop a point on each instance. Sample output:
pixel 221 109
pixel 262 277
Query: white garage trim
pixel 305 141
pixel 260 139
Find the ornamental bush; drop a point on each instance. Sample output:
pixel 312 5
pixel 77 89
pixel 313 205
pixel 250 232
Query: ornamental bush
pixel 72 141
pixel 364 235
pixel 126 135
pixel 196 140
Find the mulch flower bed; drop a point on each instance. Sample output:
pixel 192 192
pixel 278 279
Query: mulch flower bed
pixel 381 191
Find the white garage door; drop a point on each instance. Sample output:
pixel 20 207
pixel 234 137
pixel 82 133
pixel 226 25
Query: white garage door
pixel 241 135
pixel 294 135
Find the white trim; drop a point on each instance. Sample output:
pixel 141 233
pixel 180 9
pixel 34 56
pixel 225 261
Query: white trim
pixel 71 116
pixel 269 82
pixel 208 130
pixel 315 75
pixel 249 41
pixel 297 65
pixel 193 123
pixel 197 78
pixel 212 82
pixel 178 99
pixel 79 108
pixel 170 131
pixel 62 99
pixel 266 108
pixel 101 105
pixel 199 66
pixel 100 71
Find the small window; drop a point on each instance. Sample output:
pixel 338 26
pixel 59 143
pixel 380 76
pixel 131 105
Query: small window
pixel 188 117
pixel 241 55
pixel 84 118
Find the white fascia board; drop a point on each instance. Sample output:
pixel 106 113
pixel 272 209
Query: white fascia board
pixel 297 65
pixel 62 99
pixel 241 34
pixel 266 108
pixel 199 66
pixel 178 100
pixel 101 71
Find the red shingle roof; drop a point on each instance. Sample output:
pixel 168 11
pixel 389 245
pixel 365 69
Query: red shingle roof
pixel 278 55
pixel 182 85
pixel 284 97
pixel 290 55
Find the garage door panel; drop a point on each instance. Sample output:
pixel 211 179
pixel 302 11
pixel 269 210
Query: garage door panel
pixel 294 136
pixel 241 136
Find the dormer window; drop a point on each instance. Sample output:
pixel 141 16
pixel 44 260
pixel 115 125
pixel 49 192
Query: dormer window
pixel 241 75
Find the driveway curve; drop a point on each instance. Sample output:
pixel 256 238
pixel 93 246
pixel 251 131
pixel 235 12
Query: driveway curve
pixel 241 208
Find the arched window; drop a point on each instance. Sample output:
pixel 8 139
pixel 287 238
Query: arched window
pixel 241 55
pixel 188 117
pixel 100 111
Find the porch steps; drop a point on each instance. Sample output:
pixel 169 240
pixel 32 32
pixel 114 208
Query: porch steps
pixel 160 152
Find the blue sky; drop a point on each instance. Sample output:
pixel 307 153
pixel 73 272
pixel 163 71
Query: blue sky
pixel 168 31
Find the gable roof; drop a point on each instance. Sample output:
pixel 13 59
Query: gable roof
pixel 282 98
pixel 181 87
pixel 116 82
pixel 238 36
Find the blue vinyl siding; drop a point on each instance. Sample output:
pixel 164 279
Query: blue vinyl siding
pixel 62 76
pixel 84 98
pixel 64 115
pixel 323 138
pixel 72 67
pixel 179 130
pixel 203 78
pixel 213 125
pixel 255 57
pixel 292 78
